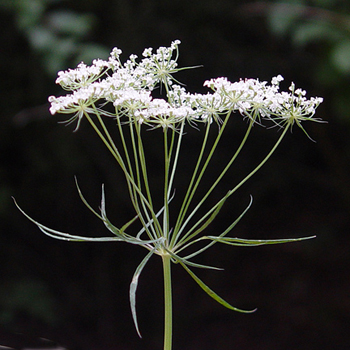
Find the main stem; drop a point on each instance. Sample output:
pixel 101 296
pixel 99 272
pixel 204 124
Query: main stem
pixel 168 304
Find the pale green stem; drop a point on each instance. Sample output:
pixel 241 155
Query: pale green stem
pixel 142 159
pixel 129 178
pixel 166 184
pixel 140 155
pixel 111 142
pixel 110 147
pixel 215 183
pixel 191 190
pixel 187 199
pixel 229 193
pixel 168 150
pixel 132 191
pixel 176 157
pixel 137 171
pixel 168 304
pixel 263 162
pixel 126 153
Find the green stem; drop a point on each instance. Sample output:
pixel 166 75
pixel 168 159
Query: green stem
pixel 190 192
pixel 176 156
pixel 262 162
pixel 216 181
pixel 190 235
pixel 136 188
pixel 168 312
pixel 166 184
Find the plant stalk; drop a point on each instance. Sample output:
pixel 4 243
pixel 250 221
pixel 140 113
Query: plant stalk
pixel 168 304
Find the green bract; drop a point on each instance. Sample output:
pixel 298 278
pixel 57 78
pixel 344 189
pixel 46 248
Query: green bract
pixel 128 88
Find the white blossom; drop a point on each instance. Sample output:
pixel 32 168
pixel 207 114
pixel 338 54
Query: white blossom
pixel 129 87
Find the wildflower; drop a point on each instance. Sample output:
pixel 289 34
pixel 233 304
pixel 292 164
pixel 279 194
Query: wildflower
pixel 77 103
pixel 127 88
pixel 209 107
pixel 161 65
pixel 161 114
pixel 131 101
pixel 82 76
pixel 294 108
pixel 114 59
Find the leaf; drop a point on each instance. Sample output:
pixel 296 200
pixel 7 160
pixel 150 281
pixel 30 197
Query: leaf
pixel 213 212
pixel 254 242
pixel 211 293
pixel 120 232
pixel 84 200
pixel 200 266
pixel 211 218
pixel 176 259
pixel 133 287
pixel 221 235
pixel 62 235
pixel 104 218
pixel 68 237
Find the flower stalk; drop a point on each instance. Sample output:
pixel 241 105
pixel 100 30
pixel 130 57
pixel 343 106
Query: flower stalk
pixel 128 89
pixel 168 304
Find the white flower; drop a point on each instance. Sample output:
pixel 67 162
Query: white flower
pixel 132 102
pixel 82 76
pixel 147 52
pixel 129 87
pixel 79 103
pixel 294 108
pixel 277 80
pixel 160 65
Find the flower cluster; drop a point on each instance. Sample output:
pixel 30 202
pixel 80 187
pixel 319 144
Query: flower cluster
pixel 129 88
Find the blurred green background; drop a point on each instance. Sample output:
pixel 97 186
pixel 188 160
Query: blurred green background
pixel 76 294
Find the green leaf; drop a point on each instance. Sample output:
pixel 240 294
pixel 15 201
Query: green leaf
pixel 65 236
pixel 84 200
pixel 211 293
pixel 176 259
pixel 213 212
pixel 133 288
pixel 68 237
pixel 211 218
pixel 222 234
pixel 238 219
pixel 253 242
pixel 118 232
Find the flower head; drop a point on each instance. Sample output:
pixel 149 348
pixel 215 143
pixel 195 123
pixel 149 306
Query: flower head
pixel 82 76
pixel 294 108
pixel 79 102
pixel 129 86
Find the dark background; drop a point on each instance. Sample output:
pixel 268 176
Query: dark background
pixel 76 294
